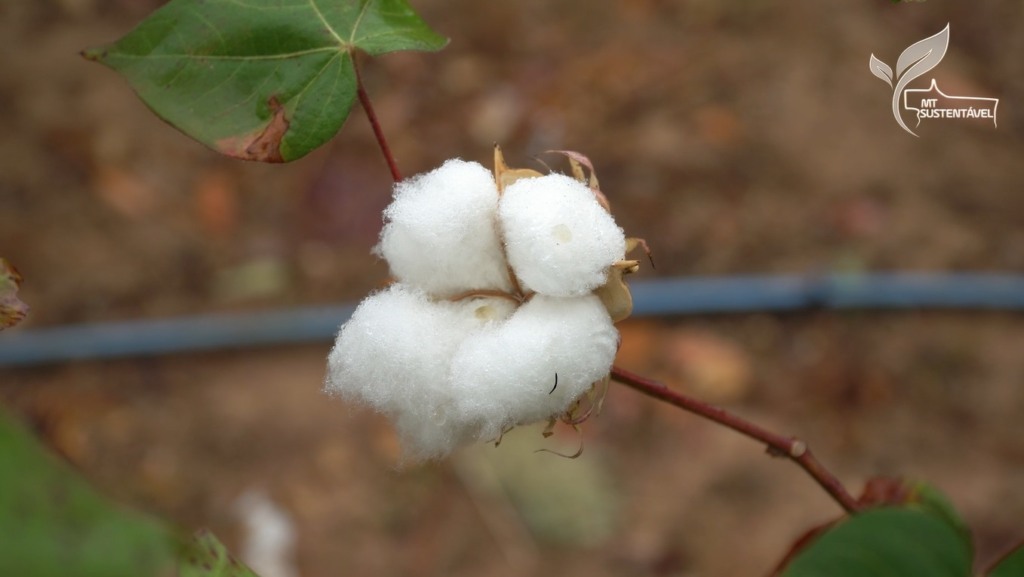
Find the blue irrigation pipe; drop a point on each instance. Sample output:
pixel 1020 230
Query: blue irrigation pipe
pixel 658 297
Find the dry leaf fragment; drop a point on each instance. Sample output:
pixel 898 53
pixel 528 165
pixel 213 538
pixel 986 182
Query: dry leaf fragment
pixel 12 309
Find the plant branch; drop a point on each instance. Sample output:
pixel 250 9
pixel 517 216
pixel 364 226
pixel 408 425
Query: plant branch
pixel 778 445
pixel 364 99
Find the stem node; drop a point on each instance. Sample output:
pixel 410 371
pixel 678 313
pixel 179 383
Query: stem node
pixel 797 449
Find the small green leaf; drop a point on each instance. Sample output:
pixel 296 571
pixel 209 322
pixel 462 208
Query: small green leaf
pixel 1012 565
pixel 266 80
pixel 933 501
pixel 205 556
pixel 886 542
pixel 12 309
pixel 52 524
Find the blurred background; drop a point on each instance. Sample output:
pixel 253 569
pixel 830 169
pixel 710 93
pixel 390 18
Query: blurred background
pixel 737 138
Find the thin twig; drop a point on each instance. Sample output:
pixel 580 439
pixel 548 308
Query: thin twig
pixel 778 445
pixel 364 99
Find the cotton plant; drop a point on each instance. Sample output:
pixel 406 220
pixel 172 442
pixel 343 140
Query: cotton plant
pixel 508 285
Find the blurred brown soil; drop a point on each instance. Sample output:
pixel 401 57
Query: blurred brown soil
pixel 735 137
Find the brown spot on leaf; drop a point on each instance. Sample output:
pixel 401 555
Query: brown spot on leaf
pixel 263 145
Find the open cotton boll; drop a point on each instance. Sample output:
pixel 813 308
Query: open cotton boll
pixel 394 354
pixel 440 233
pixel 503 375
pixel 559 240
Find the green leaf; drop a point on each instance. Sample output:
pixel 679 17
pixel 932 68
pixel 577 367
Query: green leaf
pixel 266 80
pixel 1012 565
pixel 52 524
pixel 886 542
pixel 205 556
pixel 932 500
pixel 12 309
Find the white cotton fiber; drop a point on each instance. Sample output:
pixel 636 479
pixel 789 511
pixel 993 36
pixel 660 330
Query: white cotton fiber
pixel 440 233
pixel 504 374
pixel 559 240
pixel 394 355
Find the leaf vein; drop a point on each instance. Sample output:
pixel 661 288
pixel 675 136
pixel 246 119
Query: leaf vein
pixel 283 56
pixel 359 20
pixel 255 92
pixel 216 86
pixel 200 17
pixel 326 24
pixel 298 96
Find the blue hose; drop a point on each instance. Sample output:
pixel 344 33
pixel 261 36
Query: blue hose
pixel 659 297
pixel 749 294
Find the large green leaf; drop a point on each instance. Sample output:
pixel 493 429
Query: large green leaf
pixel 266 80
pixel 52 524
pixel 887 542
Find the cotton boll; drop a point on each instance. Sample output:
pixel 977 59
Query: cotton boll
pixel 394 354
pixel 559 240
pixel 440 231
pixel 504 374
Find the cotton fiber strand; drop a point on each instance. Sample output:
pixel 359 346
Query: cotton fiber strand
pixel 440 233
pixel 505 375
pixel 559 240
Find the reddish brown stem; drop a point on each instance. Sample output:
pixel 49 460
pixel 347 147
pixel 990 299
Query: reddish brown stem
pixel 778 445
pixel 364 99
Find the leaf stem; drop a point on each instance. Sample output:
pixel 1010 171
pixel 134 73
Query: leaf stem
pixel 364 99
pixel 778 445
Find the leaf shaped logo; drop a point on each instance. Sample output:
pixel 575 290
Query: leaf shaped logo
pixel 880 69
pixel 918 58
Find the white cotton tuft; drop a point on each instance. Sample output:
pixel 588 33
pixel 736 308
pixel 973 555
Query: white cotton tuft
pixel 559 240
pixel 505 374
pixel 440 233
pixel 394 355
pixel 269 542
